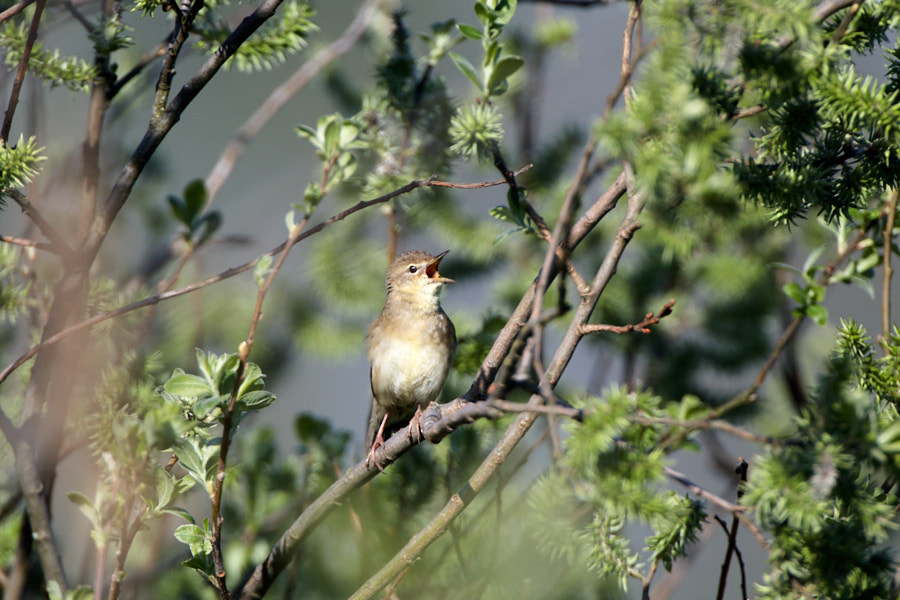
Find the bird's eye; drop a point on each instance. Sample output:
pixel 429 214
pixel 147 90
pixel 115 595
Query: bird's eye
pixel 412 268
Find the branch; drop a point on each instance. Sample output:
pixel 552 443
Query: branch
pixel 20 74
pixel 226 274
pixel 37 505
pixel 15 9
pixel 227 421
pixel 732 535
pixel 735 509
pixel 887 270
pixel 282 552
pixel 642 327
pixel 163 121
pixel 419 542
pixel 11 239
pixel 284 92
pixel 829 7
pixel 57 241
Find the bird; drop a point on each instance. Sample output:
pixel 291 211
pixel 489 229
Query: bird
pixel 410 346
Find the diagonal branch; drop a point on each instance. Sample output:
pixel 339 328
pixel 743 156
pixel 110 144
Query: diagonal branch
pixel 514 433
pixel 227 273
pixel 281 553
pixel 164 120
pixel 20 74
pixel 284 92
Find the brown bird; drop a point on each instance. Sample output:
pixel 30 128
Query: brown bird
pixel 410 346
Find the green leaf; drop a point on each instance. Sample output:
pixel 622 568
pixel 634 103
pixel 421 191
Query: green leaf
pixel 256 400
pixel 818 313
pixel 188 386
pixel 204 406
pixel 473 33
pixel 466 68
pixel 503 69
pixel 190 534
pixel 210 223
pixel 795 292
pixel 261 270
pixel 194 198
pixel 179 210
pixel 189 458
pixel 165 487
pixel 85 506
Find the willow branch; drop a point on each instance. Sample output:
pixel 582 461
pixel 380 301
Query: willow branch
pixel 164 120
pixel 284 92
pixel 15 9
pixel 514 433
pixel 20 74
pixel 281 553
pixel 226 274
pixel 887 269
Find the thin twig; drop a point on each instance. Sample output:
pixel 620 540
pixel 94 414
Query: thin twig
pixel 647 580
pixel 735 509
pixel 280 555
pixel 17 241
pixel 15 9
pixel 136 70
pixel 227 420
pixel 701 424
pixel 20 74
pixel 57 241
pixel 887 269
pixel 732 534
pixel 283 93
pixel 226 274
pixel 641 327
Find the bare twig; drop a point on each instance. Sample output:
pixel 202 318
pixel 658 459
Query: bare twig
pixel 735 509
pixel 136 70
pixel 740 557
pixel 641 327
pixel 887 269
pixel 243 354
pixel 284 92
pixel 17 241
pixel 732 534
pixel 628 64
pixel 648 579
pixel 226 274
pixel 15 9
pixel 700 424
pixel 20 74
pixel 57 241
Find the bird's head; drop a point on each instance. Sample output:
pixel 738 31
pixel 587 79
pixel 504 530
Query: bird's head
pixel 416 273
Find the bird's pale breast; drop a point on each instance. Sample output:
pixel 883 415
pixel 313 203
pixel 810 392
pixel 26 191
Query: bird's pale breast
pixel 410 362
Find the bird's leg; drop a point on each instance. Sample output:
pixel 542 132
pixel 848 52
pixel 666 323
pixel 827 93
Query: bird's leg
pixel 379 442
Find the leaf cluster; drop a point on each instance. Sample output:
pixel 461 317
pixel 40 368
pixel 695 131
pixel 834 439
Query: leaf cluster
pixel 267 47
pixel 69 71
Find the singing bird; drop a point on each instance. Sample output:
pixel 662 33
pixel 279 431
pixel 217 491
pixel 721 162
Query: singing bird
pixel 410 345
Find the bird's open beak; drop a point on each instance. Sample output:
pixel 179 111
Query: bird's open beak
pixel 432 269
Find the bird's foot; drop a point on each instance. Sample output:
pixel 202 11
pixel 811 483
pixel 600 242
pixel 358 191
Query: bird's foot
pixel 370 457
pixel 378 443
pixel 415 424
